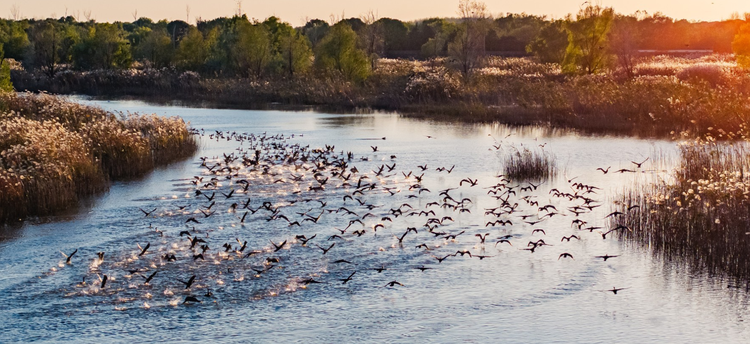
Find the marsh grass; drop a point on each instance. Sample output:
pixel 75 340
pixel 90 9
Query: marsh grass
pixel 526 164
pixel 668 94
pixel 701 215
pixel 53 152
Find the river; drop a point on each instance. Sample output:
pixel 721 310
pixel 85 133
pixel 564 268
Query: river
pixel 511 295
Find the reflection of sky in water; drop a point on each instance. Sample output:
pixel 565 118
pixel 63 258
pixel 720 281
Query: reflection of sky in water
pixel 513 296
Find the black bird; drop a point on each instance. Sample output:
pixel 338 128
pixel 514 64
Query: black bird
pixel 307 281
pixel 304 239
pixel 149 278
pixel 189 282
pixel 570 237
pixel 380 269
pixel 343 281
pixel 192 219
pixel 605 257
pixel 393 283
pixel 638 164
pixel 401 239
pixel 482 237
pixel 184 233
pixel 422 268
pixel 374 148
pixel 67 261
pixel 482 257
pixel 143 251
pixel 104 282
pixel 325 250
pixel 615 290
pixel 190 298
pixel 502 241
pixel 440 260
pixel 278 247
pixel 605 171
pixel 147 212
pixel 565 255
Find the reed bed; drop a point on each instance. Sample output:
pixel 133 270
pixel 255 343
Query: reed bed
pixel 701 216
pixel 526 164
pixel 52 152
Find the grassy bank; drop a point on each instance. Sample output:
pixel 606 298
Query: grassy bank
pixel 52 151
pixel 666 95
pixel 702 215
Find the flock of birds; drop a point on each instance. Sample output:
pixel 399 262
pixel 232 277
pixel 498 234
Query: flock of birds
pixel 273 205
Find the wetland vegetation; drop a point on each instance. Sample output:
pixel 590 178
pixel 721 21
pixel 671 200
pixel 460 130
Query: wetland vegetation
pixel 54 151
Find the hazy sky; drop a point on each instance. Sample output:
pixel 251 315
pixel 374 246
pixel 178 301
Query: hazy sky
pixel 295 11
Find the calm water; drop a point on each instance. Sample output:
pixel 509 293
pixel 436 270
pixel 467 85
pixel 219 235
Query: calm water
pixel 512 295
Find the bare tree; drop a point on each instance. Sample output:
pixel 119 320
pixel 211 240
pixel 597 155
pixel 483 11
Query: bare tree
pixel 624 39
pixel 372 37
pixel 15 12
pixel 239 8
pixel 187 13
pixel 87 15
pixel 135 15
pixel 468 47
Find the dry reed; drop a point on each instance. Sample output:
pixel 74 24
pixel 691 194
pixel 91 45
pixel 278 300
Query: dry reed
pixel 52 151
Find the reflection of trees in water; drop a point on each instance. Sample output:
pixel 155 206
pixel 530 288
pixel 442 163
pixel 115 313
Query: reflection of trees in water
pixel 346 121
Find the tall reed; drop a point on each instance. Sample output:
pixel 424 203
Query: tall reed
pixel 526 164
pixel 702 215
pixel 52 151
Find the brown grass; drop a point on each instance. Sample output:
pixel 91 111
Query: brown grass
pixel 52 152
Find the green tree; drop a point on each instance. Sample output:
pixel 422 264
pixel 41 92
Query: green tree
pixel 741 46
pixel 193 51
pixel 436 45
pixel 588 49
pixel 295 53
pixel 103 45
pixel 549 46
pixel 156 47
pixel 14 39
pixel 5 83
pixel 252 52
pixel 337 54
pixel 315 30
pixel 394 34
pixel 290 50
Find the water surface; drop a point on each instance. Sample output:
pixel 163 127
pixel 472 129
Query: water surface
pixel 511 296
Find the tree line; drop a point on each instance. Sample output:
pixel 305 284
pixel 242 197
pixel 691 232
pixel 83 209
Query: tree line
pixel 241 47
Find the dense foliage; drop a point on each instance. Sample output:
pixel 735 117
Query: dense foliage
pixel 238 46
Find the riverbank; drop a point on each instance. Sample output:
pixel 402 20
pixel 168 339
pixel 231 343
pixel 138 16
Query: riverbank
pixel 53 151
pixel 665 96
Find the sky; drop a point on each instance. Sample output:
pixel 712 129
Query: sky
pixel 297 11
